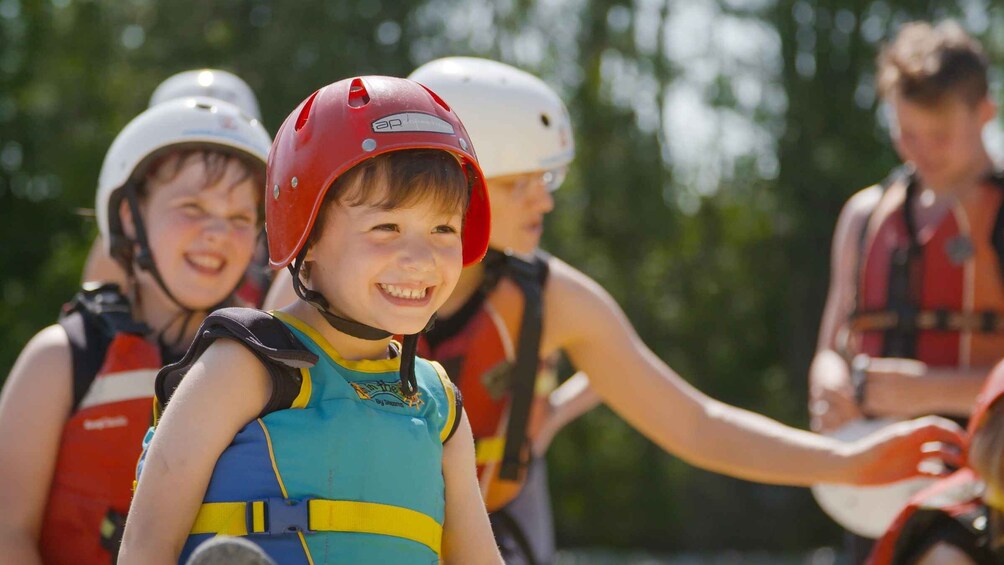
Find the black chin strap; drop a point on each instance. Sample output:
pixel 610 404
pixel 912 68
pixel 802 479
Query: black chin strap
pixel 315 299
pixel 409 344
pixel 409 349
pixel 145 261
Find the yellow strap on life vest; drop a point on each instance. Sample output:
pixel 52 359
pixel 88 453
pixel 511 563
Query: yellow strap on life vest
pixel 372 518
pixel 223 519
pixel 230 518
pixel 451 400
pixel 489 449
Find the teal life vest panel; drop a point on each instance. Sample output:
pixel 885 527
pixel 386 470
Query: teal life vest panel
pixel 350 471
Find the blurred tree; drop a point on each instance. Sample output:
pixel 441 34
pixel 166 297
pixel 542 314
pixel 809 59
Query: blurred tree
pixel 717 141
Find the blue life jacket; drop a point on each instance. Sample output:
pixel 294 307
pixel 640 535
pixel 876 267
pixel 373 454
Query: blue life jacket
pixel 350 471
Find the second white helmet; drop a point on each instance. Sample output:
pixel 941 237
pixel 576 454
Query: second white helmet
pixel 212 83
pixel 184 123
pixel 517 123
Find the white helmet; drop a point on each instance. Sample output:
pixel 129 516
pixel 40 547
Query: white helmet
pixel 211 83
pixel 182 123
pixel 517 123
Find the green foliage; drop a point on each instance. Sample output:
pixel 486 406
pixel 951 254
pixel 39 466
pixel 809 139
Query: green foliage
pixel 724 279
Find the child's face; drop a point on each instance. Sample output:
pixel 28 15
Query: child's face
pixel 390 269
pixel 518 205
pixel 202 236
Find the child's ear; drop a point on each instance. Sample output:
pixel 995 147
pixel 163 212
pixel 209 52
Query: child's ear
pixel 308 262
pixel 125 215
pixel 311 254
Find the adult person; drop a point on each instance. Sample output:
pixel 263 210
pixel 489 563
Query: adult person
pixel 914 318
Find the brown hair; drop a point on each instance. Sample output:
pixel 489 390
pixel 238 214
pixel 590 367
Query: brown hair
pixel 168 166
pixel 925 63
pixel 986 449
pixel 215 164
pixel 408 177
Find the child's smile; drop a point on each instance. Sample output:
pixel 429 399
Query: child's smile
pixel 406 294
pixel 390 269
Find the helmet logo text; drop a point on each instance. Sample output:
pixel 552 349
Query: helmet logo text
pixel 412 121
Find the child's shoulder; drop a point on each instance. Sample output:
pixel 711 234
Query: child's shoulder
pixel 43 371
pixel 47 353
pixel 261 334
pixel 245 345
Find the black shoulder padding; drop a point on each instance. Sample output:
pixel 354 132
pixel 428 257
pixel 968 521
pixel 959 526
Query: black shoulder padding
pixel 264 336
pixel 929 527
pixel 87 350
pixel 458 409
pixel 542 259
pixel 498 264
pixel 91 321
pixel 106 308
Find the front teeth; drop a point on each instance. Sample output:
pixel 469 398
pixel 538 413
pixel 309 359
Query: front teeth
pixel 207 261
pixel 408 293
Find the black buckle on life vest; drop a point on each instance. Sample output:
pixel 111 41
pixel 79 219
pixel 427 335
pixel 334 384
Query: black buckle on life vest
pixel 283 516
pixel 112 527
pixel 906 318
pixel 941 320
pixel 988 321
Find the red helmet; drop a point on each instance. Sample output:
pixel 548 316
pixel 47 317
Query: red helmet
pixel 992 391
pixel 345 123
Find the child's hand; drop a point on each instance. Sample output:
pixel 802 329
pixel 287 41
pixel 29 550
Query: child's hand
pixel 906 449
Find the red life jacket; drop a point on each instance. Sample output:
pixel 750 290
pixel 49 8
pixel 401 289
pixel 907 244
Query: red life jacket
pixel 102 439
pixel 950 511
pixel 932 294
pixel 479 347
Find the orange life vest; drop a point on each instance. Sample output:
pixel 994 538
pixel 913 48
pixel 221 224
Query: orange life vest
pixel 101 442
pixel 478 347
pixel 951 511
pixel 933 294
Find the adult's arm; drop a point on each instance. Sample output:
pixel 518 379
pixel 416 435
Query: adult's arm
pixel 650 396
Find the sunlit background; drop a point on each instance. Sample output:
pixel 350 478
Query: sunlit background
pixel 717 141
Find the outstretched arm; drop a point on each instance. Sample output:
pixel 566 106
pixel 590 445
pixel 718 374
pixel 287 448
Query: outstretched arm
pixel 600 341
pixel 467 534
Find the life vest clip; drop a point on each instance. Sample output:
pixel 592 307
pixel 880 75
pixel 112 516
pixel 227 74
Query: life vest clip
pixel 277 516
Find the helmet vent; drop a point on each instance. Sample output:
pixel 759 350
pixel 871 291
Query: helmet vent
pixel 544 119
pixel 358 97
pixel 437 98
pixel 301 120
pixel 204 106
